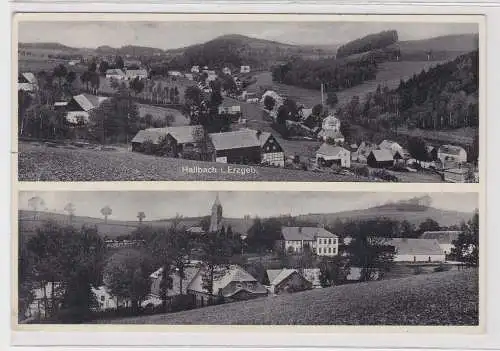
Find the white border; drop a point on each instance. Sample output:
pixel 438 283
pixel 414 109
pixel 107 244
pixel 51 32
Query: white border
pixel 489 340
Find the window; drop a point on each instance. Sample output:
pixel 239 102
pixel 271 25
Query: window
pixel 321 241
pixel 329 241
pixel 329 250
pixel 102 298
pixel 319 250
pixel 334 250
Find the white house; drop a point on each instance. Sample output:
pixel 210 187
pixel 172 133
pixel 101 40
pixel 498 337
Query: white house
pixel 115 73
pixel 245 69
pixel 329 154
pixel 445 238
pixel 136 73
pixel 174 74
pixel 416 250
pixel 335 135
pixel 226 70
pixel 331 123
pixel 392 146
pixel 195 69
pixel 319 240
pixel 451 153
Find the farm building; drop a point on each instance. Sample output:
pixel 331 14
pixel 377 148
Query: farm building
pixel 245 69
pixel 115 73
pixel 331 134
pixel 331 123
pixel 451 153
pixel 382 158
pixel 229 107
pixel 391 146
pixel 136 73
pixel 79 107
pixel 177 137
pixel 27 81
pixel 232 284
pixel 416 250
pixel 328 155
pixel 287 281
pixel 456 175
pixel 247 146
pixel 319 240
pixel 445 238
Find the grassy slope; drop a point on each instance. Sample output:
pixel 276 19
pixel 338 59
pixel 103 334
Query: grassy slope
pixel 40 163
pixel 449 298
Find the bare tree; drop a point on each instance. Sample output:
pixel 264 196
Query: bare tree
pixel 106 211
pixel 141 215
pixel 36 204
pixel 70 209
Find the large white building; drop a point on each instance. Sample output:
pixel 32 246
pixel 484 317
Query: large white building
pixel 320 241
pixel 416 250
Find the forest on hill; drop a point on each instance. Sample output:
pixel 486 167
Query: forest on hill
pixel 368 43
pixel 444 97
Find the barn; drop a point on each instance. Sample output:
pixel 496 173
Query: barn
pixel 417 250
pixel 382 158
pixel 247 146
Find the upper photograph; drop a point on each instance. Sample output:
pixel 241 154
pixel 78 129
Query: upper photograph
pixel 341 100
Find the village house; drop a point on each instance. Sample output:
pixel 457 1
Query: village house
pixel 195 69
pixel 115 73
pixel 382 158
pixel 174 74
pixel 231 283
pixel 245 69
pixel 451 153
pixel 331 135
pixel 211 76
pixel 445 238
pixel 320 241
pixel 229 107
pixel 226 70
pixel 329 155
pixel 392 146
pixel 178 138
pixel 132 74
pixel 362 152
pixel 79 107
pixel 287 281
pixel 247 146
pixel 179 286
pixel 27 81
pixel 416 250
pixel 331 123
pixel 129 63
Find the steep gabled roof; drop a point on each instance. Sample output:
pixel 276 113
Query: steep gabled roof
pixel 330 150
pixel 382 155
pixel 182 134
pixel 88 102
pixel 305 233
pixel 442 236
pixel 115 71
pixel 406 246
pixel 242 138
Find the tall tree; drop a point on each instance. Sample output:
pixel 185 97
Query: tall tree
pixel 466 247
pixel 215 257
pixel 416 148
pixel 106 211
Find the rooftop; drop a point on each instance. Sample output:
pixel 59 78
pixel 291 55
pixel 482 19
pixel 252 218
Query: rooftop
pixel 305 233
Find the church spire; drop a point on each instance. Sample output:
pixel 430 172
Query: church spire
pixel 216 217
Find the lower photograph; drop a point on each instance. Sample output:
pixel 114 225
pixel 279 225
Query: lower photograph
pixel 247 258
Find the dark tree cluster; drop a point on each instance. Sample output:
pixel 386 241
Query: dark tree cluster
pixel 337 75
pixel 368 43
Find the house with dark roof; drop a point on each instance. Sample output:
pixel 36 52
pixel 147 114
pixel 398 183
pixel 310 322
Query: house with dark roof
pixel 79 107
pixel 445 238
pixel 287 281
pixel 382 158
pixel 328 155
pixel 247 146
pixel 178 138
pixel 319 240
pixel 416 250
pixel 231 283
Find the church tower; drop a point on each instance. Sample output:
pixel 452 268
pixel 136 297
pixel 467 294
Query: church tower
pixel 216 218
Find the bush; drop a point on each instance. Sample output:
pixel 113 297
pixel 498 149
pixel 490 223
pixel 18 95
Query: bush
pixel 442 268
pixel 384 175
pixel 361 171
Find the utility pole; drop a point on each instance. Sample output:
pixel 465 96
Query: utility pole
pixel 322 95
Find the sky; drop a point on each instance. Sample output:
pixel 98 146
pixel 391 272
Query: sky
pixel 169 35
pixel 236 204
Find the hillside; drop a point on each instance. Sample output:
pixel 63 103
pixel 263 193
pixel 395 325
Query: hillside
pixel 448 298
pixel 457 43
pixel 235 50
pixel 415 216
pixel 47 46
